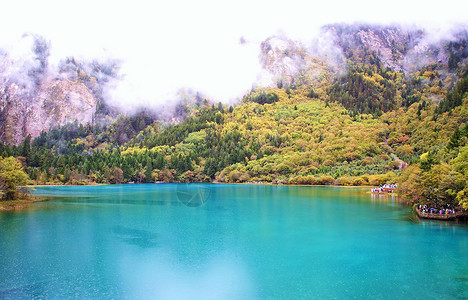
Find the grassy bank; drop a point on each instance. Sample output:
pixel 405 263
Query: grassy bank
pixel 19 204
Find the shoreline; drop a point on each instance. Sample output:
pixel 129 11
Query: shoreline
pixel 459 216
pixel 282 184
pixel 214 182
pixel 14 205
pixel 46 185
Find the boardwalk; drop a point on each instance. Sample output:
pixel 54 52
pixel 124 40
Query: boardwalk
pixel 438 216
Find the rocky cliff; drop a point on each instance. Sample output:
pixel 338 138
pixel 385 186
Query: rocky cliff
pixel 34 98
pixel 403 49
pixel 54 102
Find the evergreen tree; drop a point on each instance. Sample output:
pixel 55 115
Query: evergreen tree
pixel 148 169
pixel 455 139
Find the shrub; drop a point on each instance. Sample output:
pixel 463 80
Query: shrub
pixel 325 180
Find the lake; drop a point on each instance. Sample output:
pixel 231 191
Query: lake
pixel 213 241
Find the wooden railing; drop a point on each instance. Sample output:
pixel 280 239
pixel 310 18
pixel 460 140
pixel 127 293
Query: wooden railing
pixel 438 216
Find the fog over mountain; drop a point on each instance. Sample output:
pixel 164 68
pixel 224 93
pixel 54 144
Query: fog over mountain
pixel 89 62
pixel 206 46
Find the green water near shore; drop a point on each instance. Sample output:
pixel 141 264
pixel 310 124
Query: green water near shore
pixel 243 242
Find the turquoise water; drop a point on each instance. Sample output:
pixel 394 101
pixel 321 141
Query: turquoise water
pixel 245 242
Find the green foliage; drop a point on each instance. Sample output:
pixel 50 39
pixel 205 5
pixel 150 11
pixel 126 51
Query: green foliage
pixel 428 160
pixel 454 98
pixel 363 90
pixel 456 52
pixel 458 137
pixel 437 182
pixel 319 128
pixel 312 94
pixel 12 176
pixel 172 135
pixel 263 97
pixel 460 163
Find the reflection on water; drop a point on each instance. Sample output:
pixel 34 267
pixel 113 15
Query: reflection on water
pixel 244 242
pixel 163 276
pixel 383 198
pixel 138 237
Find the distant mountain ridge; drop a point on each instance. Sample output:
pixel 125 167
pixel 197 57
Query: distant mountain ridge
pixel 55 103
pixel 398 48
pixel 74 92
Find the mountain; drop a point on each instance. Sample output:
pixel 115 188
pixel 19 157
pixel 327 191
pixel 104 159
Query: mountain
pixel 352 107
pixel 36 97
pixel 399 48
pixel 56 102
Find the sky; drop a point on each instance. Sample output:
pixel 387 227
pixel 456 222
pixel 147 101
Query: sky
pixel 168 45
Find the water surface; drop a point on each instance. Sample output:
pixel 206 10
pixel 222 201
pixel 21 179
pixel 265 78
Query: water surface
pixel 244 242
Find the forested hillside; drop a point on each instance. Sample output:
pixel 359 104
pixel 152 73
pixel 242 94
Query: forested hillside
pixel 355 121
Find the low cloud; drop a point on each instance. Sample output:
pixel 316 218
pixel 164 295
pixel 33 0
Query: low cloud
pixel 25 62
pixel 205 46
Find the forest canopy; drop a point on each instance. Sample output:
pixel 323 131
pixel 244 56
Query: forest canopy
pixel 361 121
